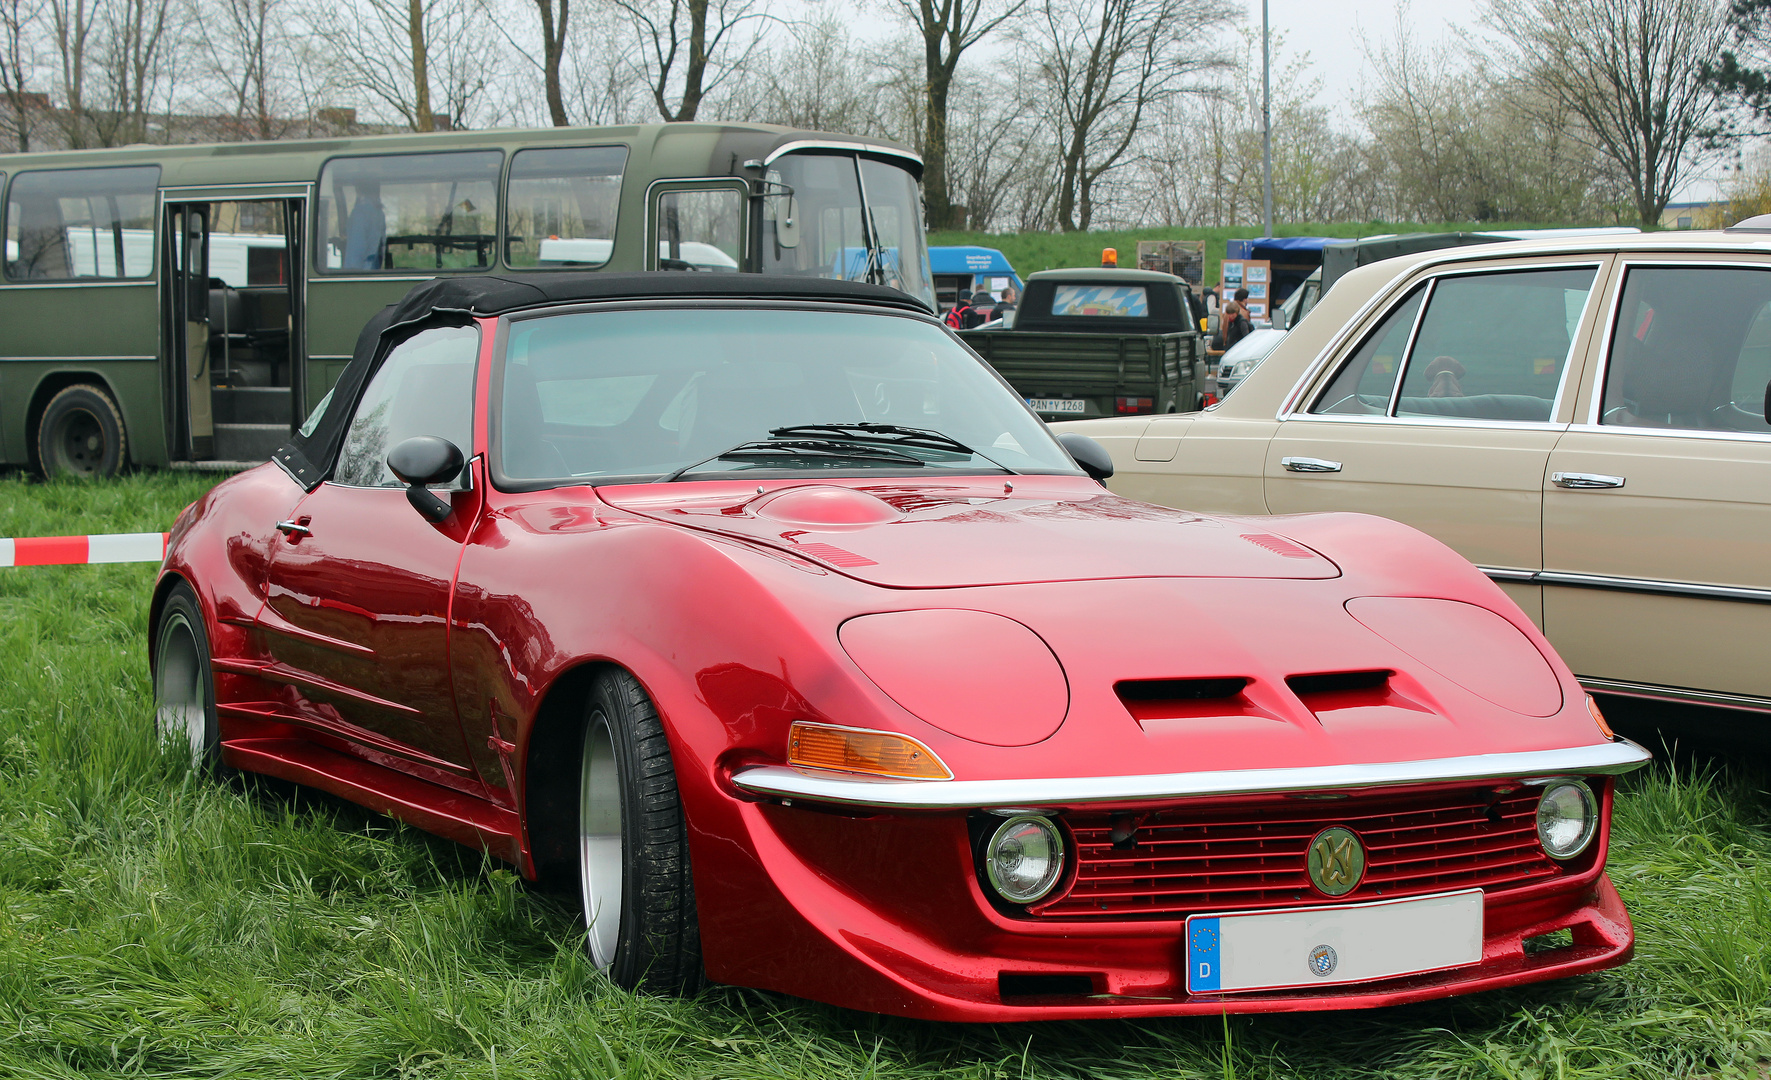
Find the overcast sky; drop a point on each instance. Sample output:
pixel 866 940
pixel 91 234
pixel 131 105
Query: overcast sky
pixel 1329 30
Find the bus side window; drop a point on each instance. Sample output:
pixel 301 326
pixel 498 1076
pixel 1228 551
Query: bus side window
pixel 562 206
pixel 409 212
pixel 81 224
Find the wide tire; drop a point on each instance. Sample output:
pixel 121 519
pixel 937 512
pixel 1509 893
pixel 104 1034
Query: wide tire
pixel 637 892
pixel 81 434
pixel 184 683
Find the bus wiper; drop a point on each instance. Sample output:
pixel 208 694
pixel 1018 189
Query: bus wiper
pixel 792 448
pixel 873 434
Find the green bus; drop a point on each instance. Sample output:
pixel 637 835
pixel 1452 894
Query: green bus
pixel 188 305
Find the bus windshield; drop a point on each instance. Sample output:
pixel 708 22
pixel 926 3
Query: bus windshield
pixel 836 215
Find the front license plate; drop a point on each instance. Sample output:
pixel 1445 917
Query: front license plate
pixel 1273 950
pixel 1060 405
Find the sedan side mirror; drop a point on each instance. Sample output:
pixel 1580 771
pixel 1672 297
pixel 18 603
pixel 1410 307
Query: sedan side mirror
pixel 1090 455
pixel 421 461
pixel 1278 318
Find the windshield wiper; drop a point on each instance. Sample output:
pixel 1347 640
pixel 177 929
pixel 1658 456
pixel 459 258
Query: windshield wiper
pixel 791 448
pixel 872 434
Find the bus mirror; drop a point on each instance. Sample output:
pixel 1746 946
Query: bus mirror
pixel 787 225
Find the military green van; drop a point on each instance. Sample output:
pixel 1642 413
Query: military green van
pixel 188 305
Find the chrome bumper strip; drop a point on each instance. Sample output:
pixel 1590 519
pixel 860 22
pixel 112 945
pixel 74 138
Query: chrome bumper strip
pixel 1624 584
pixel 815 785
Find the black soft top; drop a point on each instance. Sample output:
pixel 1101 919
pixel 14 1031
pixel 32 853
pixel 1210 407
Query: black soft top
pixel 308 456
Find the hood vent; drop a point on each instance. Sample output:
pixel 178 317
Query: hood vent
pixel 1171 699
pixel 1279 545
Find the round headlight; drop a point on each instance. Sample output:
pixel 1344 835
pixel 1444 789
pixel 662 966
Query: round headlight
pixel 1567 818
pixel 1025 858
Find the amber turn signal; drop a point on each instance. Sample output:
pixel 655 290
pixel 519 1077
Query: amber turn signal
pixel 825 746
pixel 1599 717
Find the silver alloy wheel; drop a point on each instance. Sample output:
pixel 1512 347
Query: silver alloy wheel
pixel 599 841
pixel 181 710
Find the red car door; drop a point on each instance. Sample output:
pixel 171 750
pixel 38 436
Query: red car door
pixel 357 597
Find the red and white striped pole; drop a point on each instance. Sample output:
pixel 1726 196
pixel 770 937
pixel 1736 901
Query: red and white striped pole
pixel 77 550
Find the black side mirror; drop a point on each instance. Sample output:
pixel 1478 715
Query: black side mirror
pixel 1089 454
pixel 421 461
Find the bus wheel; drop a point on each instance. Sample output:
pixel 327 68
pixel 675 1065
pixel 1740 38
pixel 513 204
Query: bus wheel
pixel 80 434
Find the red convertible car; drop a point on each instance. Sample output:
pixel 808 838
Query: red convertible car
pixel 765 615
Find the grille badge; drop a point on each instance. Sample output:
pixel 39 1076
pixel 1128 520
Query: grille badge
pixel 1337 861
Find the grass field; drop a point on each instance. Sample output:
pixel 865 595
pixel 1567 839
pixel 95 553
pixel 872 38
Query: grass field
pixel 154 923
pixel 1028 252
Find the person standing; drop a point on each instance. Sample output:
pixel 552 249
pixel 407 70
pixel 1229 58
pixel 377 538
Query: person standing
pixel 365 235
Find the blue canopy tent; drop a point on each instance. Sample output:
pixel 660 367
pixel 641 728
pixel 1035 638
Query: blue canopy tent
pixel 957 268
pixel 1293 258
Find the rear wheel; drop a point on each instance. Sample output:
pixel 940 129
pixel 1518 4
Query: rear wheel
pixel 184 685
pixel 80 434
pixel 633 851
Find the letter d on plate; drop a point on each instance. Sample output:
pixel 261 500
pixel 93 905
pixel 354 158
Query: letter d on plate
pixel 1202 956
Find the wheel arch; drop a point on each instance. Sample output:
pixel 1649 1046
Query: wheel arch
pixel 54 383
pixel 550 771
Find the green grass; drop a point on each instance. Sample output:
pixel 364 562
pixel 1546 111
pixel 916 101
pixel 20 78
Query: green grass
pixel 1029 252
pixel 156 923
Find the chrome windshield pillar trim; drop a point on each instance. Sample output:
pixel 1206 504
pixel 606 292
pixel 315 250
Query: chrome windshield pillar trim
pixel 1675 693
pixel 781 781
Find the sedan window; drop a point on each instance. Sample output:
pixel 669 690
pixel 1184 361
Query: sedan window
pixel 1465 364
pixel 1691 349
pixel 1459 363
pixel 628 394
pixel 1363 385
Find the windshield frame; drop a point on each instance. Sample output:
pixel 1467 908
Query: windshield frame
pixel 495 398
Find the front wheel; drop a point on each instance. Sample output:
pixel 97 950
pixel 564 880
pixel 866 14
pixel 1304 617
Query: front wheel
pixel 633 849
pixel 80 434
pixel 184 685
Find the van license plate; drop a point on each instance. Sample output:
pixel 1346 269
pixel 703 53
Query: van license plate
pixel 1058 405
pixel 1350 943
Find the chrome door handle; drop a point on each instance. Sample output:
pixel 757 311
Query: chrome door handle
pixel 1585 480
pixel 1309 464
pixel 293 528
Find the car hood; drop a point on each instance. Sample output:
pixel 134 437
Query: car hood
pixel 975 531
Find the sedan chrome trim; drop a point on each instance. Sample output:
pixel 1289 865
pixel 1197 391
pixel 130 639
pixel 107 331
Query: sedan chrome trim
pixel 1585 480
pixel 847 789
pixel 1624 584
pixel 1498 573
pixel 1309 464
pixel 1650 585
pixel 1676 693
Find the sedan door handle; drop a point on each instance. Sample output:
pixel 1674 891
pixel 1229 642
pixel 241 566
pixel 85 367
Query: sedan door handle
pixel 293 529
pixel 1585 480
pixel 1309 464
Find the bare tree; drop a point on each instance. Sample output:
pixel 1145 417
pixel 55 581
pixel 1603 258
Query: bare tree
pixel 554 25
pixel 679 40
pixel 408 55
pixel 242 49
pixel 1629 71
pixel 18 64
pixel 1103 65
pixel 948 28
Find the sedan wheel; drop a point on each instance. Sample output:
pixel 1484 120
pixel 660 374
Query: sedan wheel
pixel 633 850
pixel 184 691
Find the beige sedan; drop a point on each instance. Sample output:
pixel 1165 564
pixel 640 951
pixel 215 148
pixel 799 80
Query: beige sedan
pixel 1584 419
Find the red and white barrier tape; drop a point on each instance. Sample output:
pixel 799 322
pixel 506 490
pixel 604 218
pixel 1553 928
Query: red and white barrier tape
pixel 76 550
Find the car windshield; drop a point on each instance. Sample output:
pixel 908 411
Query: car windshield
pixel 697 392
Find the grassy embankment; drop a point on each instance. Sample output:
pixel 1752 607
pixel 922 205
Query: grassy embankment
pixel 1028 252
pixel 155 923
